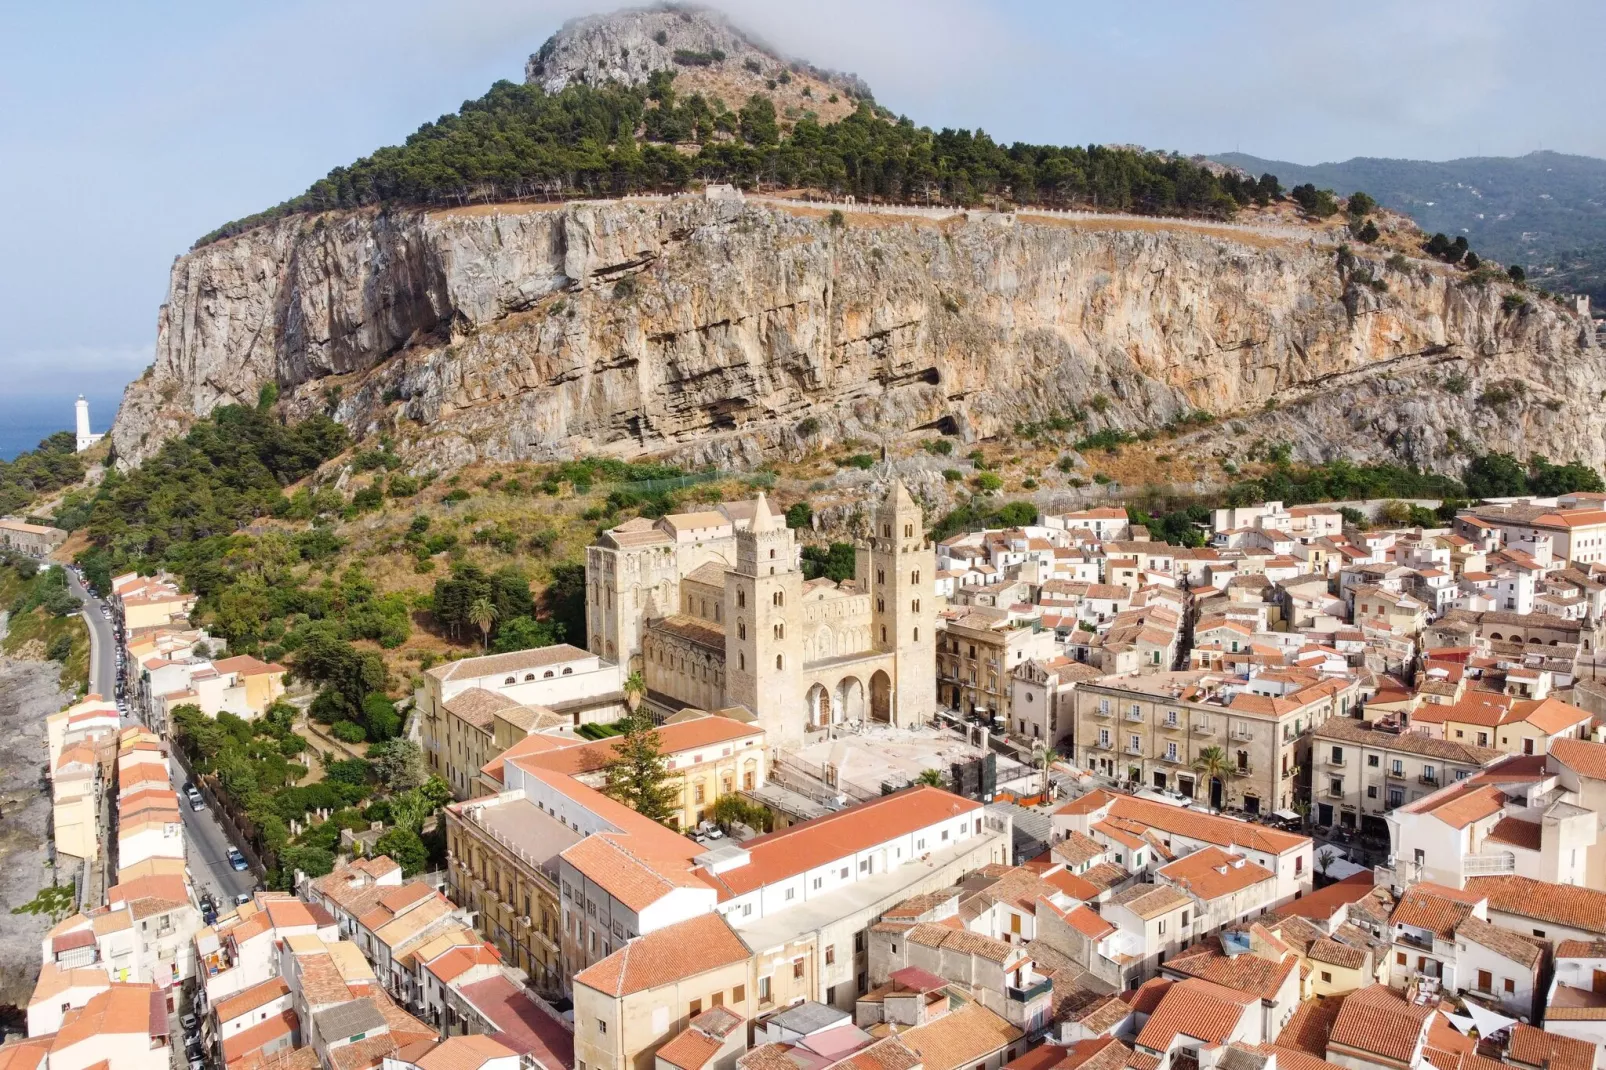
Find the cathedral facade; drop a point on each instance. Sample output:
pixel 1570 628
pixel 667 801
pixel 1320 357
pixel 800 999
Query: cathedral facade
pixel 712 609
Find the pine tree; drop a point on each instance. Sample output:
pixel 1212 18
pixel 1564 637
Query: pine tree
pixel 637 775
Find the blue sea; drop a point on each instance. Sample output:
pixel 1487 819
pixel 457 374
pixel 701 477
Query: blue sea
pixel 26 419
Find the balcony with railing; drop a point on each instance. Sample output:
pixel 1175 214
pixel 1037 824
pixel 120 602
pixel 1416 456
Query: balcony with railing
pixel 1101 744
pixel 1243 735
pixel 1333 791
pixel 1172 726
pixel 1135 716
pixel 1170 757
pixel 1026 995
pixel 1394 774
pixel 1483 865
pixel 1429 780
pixel 1102 714
pixel 1203 730
pixel 1414 939
pixel 1134 749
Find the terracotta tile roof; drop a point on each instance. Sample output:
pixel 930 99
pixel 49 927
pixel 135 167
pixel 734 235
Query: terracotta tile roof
pixel 888 1054
pixel 1433 907
pixel 1211 873
pixel 1077 848
pixel 1149 901
pixel 1337 954
pixel 1375 1021
pixel 1502 941
pixel 1550 715
pixel 256 1036
pixel 1517 833
pixel 675 952
pixel 258 995
pixel 1197 1009
pixel 1581 756
pixel 1144 998
pixel 1251 974
pixel 960 1038
pixel 1538 1047
pixel 26 1054
pixel 1308 1029
pixel 1461 805
pixel 1105 876
pixel 1088 923
pixel 1324 902
pixel 1221 831
pixel 814 843
pixel 690 1049
pixel 468 1052
pixel 1562 904
pixel 122 1009
pixel 1581 949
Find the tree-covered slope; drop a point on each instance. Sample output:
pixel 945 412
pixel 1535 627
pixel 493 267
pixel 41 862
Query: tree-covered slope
pixel 1545 211
pixel 521 141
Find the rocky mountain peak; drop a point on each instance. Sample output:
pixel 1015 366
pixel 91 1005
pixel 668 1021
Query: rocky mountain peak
pixel 706 51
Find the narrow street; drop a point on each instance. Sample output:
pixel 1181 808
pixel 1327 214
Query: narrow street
pixel 206 844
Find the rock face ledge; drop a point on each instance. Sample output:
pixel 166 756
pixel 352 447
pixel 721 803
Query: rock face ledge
pixel 709 330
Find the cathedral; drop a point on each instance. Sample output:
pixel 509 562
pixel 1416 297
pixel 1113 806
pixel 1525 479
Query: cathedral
pixel 713 610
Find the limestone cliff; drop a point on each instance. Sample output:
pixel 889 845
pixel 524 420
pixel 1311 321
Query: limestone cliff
pixel 709 330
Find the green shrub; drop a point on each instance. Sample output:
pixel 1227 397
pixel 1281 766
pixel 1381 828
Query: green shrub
pixel 952 475
pixel 987 482
pixel 808 427
pixel 348 732
pixel 862 461
pixel 940 447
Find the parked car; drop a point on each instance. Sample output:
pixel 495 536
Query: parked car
pixel 242 898
pixel 236 859
pixel 190 1023
pixel 198 803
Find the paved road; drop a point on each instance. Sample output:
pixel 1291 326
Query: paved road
pixel 207 847
pixel 102 643
pixel 205 842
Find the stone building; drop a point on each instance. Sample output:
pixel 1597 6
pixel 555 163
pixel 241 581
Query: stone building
pixel 1150 730
pixel 34 540
pixel 713 610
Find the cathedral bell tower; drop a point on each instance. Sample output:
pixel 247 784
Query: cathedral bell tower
pixel 900 569
pixel 763 642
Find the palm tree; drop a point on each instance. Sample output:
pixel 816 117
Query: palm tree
pixel 483 614
pixel 931 778
pixel 1213 764
pixel 1045 756
pixel 635 689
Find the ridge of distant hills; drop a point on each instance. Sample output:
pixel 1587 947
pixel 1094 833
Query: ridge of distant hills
pixel 1545 211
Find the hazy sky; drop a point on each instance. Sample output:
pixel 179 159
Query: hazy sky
pixel 130 129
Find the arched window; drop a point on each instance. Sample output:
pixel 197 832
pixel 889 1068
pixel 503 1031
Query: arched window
pixel 883 633
pixel 547 675
pixel 741 599
pixel 741 629
pixel 510 680
pixel 777 661
pixel 529 676
pixel 917 635
pixel 880 575
pixel 915 605
pixel 778 598
pixel 780 631
pixel 741 662
pixel 914 577
pixel 908 531
pixel 568 670
pixel 880 605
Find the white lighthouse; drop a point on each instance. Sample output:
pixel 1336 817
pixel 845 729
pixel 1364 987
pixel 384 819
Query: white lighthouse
pixel 85 438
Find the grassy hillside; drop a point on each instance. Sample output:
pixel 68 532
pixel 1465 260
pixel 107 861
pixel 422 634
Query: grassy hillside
pixel 1545 211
